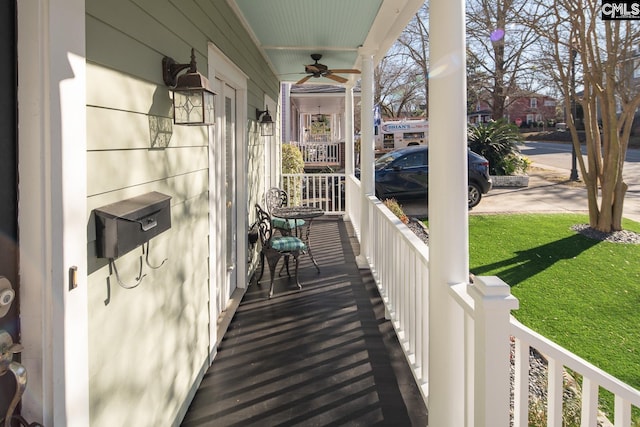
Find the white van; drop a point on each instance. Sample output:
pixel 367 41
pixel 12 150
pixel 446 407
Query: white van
pixel 401 133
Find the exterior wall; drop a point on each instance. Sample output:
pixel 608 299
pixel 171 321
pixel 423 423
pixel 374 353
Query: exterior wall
pixel 149 346
pixel 521 109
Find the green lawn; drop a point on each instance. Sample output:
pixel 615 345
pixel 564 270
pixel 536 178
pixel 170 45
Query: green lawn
pixel 581 293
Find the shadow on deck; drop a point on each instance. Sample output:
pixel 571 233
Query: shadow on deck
pixel 321 356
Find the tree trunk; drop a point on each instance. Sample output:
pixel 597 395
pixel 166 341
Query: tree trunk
pixel 618 205
pixel 613 188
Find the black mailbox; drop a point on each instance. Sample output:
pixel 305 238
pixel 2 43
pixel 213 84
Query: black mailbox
pixel 127 224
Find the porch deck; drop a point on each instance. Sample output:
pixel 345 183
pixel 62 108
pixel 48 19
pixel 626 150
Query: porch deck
pixel 321 356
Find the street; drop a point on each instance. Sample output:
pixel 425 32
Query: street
pixel 547 193
pixel 558 155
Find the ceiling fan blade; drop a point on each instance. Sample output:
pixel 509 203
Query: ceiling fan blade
pixel 304 79
pixel 336 78
pixel 312 69
pixel 346 71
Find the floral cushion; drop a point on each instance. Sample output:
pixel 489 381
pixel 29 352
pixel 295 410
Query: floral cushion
pixel 286 224
pixel 288 244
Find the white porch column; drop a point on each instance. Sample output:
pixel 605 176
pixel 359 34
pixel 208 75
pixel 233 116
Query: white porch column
pixel 349 131
pixel 285 113
pixel 367 149
pixel 448 222
pixel 52 214
pixel 348 143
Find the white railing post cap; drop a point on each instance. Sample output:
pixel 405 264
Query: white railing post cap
pixel 492 288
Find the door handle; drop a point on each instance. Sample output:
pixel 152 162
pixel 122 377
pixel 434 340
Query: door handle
pixel 7 350
pixel 7 295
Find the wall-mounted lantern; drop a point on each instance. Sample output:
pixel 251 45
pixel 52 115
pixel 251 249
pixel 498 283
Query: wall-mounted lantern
pixel 193 99
pixel 267 125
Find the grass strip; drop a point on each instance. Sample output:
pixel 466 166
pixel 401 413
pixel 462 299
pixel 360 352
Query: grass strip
pixel 581 293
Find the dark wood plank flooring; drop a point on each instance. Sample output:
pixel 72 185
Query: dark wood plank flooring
pixel 323 356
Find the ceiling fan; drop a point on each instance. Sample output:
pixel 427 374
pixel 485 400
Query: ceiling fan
pixel 320 70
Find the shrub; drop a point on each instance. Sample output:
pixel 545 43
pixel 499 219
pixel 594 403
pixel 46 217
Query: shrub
pixel 396 209
pixel 292 162
pixel 515 164
pixel 498 143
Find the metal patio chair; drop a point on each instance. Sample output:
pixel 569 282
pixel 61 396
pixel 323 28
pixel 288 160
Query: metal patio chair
pixel 275 198
pixel 274 247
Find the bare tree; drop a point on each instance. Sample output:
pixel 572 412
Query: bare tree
pixel 477 82
pixel 398 87
pixel 502 42
pixel 401 77
pixel 599 56
pixel 414 43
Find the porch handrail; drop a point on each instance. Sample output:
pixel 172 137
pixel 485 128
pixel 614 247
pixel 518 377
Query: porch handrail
pixel 559 358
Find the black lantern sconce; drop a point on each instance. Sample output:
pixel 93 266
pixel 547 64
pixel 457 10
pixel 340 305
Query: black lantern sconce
pixel 267 125
pixel 193 98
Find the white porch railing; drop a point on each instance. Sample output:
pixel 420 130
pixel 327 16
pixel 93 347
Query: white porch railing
pixel 353 203
pixel 559 360
pixel 399 262
pixel 400 265
pixel 320 153
pixel 321 137
pixel 323 190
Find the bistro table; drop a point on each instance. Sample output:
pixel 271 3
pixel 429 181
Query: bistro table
pixel 307 213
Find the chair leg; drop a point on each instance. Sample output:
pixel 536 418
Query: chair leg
pixel 285 265
pixel 272 259
pixel 271 288
pixel 261 267
pixel 313 259
pixel 273 271
pixel 297 258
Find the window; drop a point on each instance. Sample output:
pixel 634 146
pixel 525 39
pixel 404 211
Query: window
pixel 388 141
pixel 534 103
pixel 412 160
pixel 413 135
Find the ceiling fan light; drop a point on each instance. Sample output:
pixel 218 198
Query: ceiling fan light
pixel 318 70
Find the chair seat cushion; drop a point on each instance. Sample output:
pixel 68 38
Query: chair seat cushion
pixel 286 224
pixel 287 244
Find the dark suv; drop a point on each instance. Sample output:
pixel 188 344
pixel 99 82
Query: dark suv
pixel 404 174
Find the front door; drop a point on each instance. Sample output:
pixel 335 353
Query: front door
pixel 9 322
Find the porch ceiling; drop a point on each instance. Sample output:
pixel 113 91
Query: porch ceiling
pixel 287 32
pixel 316 99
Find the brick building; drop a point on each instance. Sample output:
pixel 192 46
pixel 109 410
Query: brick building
pixel 524 109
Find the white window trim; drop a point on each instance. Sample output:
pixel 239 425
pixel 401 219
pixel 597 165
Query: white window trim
pixel 52 212
pixel 221 68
